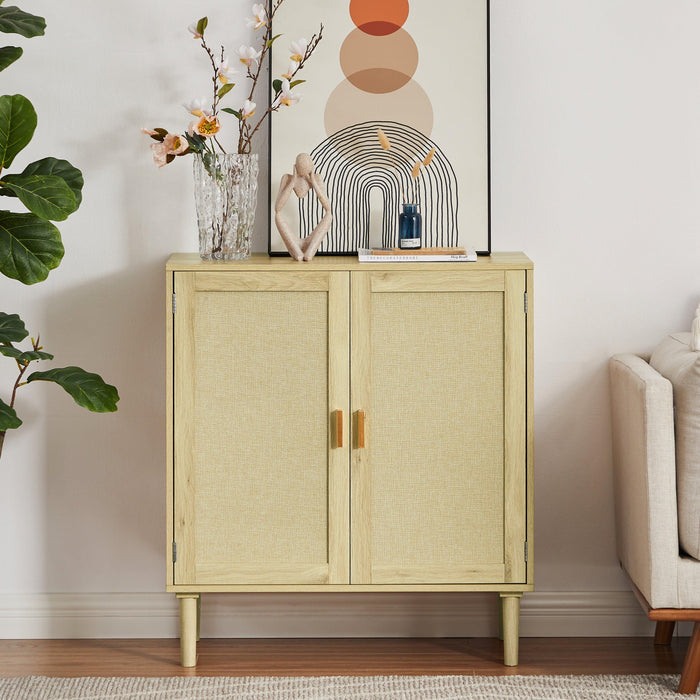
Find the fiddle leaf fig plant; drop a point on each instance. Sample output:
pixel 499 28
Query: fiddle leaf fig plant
pixel 30 244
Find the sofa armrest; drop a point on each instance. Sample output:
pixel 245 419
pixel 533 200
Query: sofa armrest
pixel 645 478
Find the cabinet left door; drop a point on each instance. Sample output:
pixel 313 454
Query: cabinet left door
pixel 260 428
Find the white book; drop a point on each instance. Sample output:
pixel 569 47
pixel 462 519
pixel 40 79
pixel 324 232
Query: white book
pixel 366 255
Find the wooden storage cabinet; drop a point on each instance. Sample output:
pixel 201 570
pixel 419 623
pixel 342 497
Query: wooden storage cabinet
pixel 338 426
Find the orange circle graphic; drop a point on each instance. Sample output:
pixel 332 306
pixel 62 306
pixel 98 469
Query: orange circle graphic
pixel 379 17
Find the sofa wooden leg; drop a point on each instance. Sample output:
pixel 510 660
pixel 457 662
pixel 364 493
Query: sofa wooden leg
pixel 690 675
pixel 664 631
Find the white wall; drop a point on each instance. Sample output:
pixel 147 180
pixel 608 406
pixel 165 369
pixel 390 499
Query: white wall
pixel 596 175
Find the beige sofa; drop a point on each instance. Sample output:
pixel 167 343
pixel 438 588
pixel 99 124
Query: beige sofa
pixel 657 486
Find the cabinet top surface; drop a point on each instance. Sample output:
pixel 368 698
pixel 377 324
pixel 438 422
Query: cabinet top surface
pixel 186 262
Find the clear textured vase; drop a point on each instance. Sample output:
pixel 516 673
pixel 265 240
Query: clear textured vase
pixel 225 193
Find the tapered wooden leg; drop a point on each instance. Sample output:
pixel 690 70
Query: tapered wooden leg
pixel 199 615
pixel 188 629
pixel 690 676
pixel 511 627
pixel 500 618
pixel 664 631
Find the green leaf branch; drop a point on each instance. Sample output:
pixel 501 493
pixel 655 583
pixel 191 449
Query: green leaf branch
pixel 87 389
pixel 30 244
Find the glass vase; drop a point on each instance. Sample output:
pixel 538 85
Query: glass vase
pixel 410 227
pixel 225 193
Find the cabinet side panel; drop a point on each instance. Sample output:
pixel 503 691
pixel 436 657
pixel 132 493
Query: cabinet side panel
pixel 183 423
pixel 530 428
pixel 169 533
pixel 516 424
pixel 261 427
pixel 437 392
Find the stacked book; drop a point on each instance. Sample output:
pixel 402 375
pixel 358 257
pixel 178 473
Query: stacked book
pixel 448 254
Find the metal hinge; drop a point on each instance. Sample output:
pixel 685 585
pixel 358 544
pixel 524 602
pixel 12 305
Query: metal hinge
pixel 174 552
pixel 174 303
pixel 525 302
pixel 525 550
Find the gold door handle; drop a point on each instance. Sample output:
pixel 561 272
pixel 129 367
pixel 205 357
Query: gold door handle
pixel 337 428
pixel 360 426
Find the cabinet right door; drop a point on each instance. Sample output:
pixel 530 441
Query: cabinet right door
pixel 438 392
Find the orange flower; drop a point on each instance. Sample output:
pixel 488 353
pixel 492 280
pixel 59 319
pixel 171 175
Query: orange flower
pixel 207 126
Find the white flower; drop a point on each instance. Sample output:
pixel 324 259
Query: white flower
pixel 260 17
pixel 165 151
pixel 286 97
pixel 247 55
pixel 298 49
pixel 224 71
pixel 248 109
pixel 193 28
pixel 293 65
pixel 198 107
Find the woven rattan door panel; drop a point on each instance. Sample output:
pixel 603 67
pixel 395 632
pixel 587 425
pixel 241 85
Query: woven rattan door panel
pixel 438 489
pixel 260 491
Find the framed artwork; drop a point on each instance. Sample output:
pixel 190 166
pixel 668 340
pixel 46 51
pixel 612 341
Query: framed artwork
pixel 418 71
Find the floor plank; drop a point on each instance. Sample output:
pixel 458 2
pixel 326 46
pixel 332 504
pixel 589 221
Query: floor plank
pixel 314 657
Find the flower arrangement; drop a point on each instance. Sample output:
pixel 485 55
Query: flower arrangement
pixel 415 169
pixel 202 135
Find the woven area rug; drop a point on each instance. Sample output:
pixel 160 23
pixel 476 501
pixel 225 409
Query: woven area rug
pixel 344 688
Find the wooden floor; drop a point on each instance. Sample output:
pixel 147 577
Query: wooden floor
pixel 318 657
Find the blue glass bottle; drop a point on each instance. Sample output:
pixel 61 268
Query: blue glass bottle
pixel 410 225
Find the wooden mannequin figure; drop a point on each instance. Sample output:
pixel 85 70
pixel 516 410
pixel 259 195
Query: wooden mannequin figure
pixel 303 180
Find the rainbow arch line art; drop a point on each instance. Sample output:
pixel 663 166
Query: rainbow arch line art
pixel 352 163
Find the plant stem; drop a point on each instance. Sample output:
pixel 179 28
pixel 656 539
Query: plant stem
pixel 274 107
pixel 214 79
pixel 23 369
pixel 18 383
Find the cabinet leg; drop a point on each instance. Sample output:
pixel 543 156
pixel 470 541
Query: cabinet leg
pixel 511 627
pixel 500 618
pixel 199 615
pixel 188 628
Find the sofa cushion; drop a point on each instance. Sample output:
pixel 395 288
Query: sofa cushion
pixel 674 359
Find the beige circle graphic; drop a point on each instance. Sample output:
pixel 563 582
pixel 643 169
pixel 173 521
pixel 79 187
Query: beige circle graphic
pixel 379 64
pixel 348 105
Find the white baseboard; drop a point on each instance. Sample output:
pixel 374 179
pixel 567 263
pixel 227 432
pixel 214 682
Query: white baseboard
pixel 134 615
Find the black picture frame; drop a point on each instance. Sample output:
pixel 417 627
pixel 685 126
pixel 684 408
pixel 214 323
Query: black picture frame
pixel 272 126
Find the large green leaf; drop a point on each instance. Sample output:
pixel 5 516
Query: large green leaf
pixel 30 247
pixel 17 124
pixel 47 196
pixel 8 55
pixel 89 390
pixel 8 417
pixel 24 356
pixel 12 329
pixel 62 168
pixel 15 21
